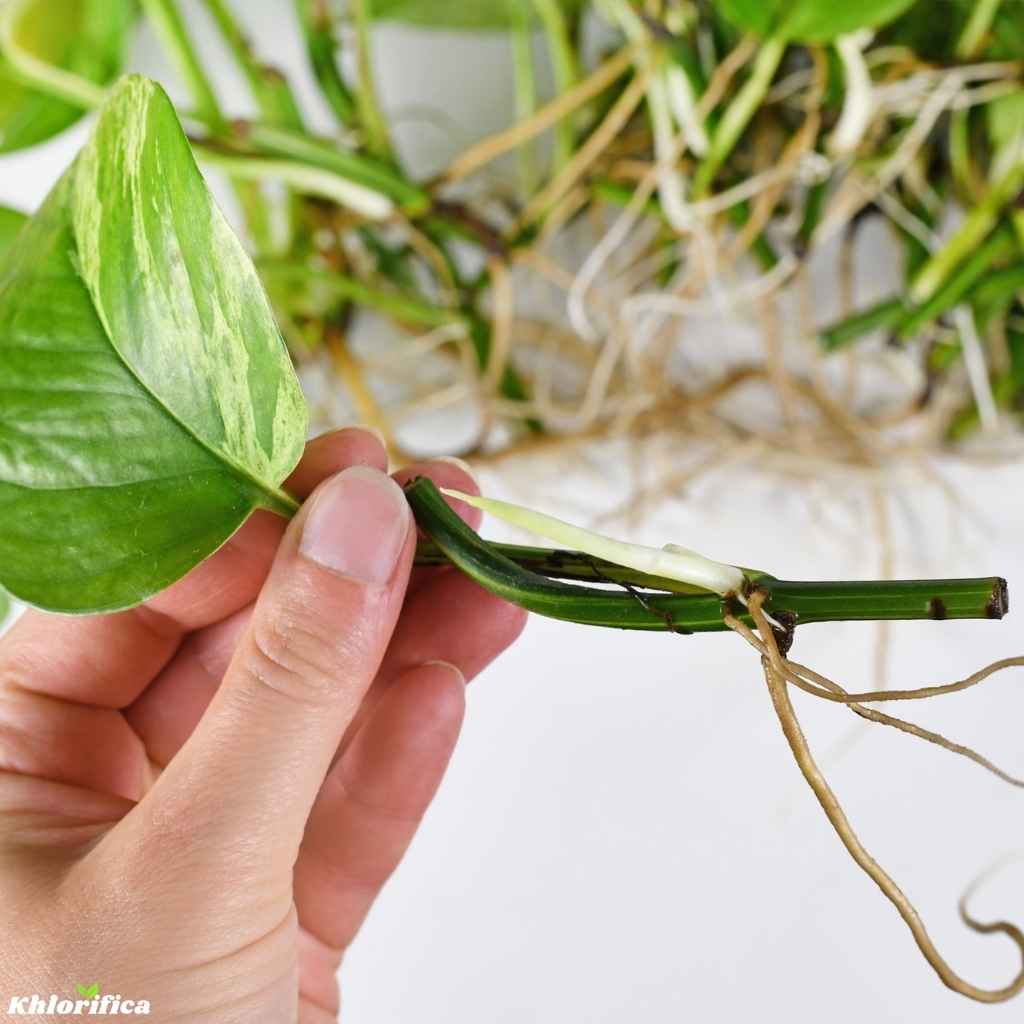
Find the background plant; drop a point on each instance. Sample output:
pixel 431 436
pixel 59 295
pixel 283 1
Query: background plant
pixel 704 154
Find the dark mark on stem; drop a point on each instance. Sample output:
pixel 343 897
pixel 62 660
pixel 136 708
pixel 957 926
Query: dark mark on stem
pixel 784 637
pixel 644 603
pixel 937 608
pixel 785 632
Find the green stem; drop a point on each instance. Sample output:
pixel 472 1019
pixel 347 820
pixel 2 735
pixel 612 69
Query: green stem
pixel 400 307
pixel 168 23
pixel 370 114
pixel 973 282
pixel 565 565
pixel 404 309
pixel 321 48
pixel 978 223
pixel 622 195
pixel 997 290
pixel 531 578
pixel 343 177
pixel 511 384
pixel 301 148
pixel 170 27
pixel 277 105
pixel 976 29
pixel 303 178
pixel 269 88
pixel 280 502
pixel 563 61
pixel 738 114
pixel 961 164
pixel 888 600
pixel 885 314
pixel 997 247
pixel 64 85
pixel 525 95
pixel 355 167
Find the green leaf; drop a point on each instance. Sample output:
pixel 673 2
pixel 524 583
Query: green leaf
pixel 758 16
pixel 11 222
pixel 478 15
pixel 5 605
pixel 86 37
pixel 1006 41
pixel 1005 116
pixel 147 403
pixel 809 21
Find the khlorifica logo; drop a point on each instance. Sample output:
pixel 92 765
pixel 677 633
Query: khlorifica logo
pixel 88 1004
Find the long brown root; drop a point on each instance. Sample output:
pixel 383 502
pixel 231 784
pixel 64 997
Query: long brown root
pixel 920 693
pixel 817 685
pixel 776 678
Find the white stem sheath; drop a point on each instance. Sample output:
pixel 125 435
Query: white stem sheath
pixel 672 562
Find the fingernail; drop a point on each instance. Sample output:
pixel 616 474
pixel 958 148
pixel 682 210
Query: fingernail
pixel 454 669
pixel 454 460
pixel 357 525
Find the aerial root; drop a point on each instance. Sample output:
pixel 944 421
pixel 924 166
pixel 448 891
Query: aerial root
pixel 777 673
pixel 817 685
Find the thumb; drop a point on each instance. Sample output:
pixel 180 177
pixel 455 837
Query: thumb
pixel 245 781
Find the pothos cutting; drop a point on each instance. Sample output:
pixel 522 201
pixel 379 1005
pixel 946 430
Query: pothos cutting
pixel 148 406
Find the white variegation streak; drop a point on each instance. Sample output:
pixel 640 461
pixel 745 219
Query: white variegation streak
pixel 673 562
pixel 200 366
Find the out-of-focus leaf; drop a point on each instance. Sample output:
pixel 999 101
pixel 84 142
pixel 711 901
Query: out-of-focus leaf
pixel 5 606
pixel 810 21
pixel 147 403
pixel 1005 116
pixel 87 37
pixel 479 15
pixel 1006 39
pixel 11 222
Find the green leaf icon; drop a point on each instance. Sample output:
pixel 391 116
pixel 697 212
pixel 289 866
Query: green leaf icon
pixel 88 991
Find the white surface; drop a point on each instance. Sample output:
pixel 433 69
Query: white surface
pixel 623 835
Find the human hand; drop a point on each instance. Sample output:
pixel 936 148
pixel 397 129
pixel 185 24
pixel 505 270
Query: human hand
pixel 200 798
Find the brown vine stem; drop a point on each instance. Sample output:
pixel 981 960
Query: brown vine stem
pixel 776 677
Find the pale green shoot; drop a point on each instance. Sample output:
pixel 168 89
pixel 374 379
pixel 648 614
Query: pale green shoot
pixel 672 561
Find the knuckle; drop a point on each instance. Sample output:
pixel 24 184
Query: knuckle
pixel 299 653
pixel 15 672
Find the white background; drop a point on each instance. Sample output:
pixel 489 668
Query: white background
pixel 623 835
